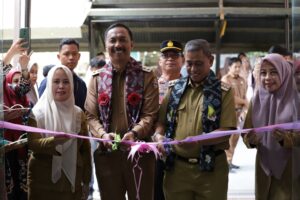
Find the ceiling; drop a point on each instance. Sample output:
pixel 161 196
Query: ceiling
pixel 229 25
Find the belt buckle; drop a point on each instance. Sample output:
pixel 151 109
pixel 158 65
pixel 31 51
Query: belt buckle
pixel 193 160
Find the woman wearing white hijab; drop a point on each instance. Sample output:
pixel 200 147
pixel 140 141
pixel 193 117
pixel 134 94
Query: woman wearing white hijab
pixel 32 95
pixel 59 167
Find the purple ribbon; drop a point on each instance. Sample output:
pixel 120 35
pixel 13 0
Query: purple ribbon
pixel 217 134
pixel 212 135
pixel 29 129
pixel 151 146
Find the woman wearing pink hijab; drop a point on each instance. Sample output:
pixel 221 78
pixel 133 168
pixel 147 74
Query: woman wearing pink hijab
pixel 297 74
pixel 16 160
pixel 276 101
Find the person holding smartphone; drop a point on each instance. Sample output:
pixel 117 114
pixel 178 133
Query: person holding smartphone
pixel 15 106
pixel 16 159
pixel 25 35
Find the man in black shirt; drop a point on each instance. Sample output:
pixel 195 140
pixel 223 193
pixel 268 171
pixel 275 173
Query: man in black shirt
pixel 69 56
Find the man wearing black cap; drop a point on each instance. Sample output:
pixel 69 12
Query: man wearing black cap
pixel 171 60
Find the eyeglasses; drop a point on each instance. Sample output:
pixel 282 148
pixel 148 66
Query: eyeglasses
pixel 170 55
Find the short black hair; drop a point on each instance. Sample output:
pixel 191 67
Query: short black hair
pixel 241 54
pixel 68 41
pixel 279 50
pixel 118 25
pixel 46 69
pixel 96 62
pixel 233 60
pixel 100 54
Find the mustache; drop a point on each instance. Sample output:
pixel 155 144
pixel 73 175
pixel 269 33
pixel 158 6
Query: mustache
pixel 119 49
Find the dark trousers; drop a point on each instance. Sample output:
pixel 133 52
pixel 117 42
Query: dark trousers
pixel 116 175
pixel 159 177
pixel 16 175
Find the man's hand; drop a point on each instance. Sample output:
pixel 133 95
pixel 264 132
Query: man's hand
pixel 161 149
pixel 108 136
pixel 129 136
pixel 159 139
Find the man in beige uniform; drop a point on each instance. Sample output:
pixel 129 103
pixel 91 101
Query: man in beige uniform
pixel 122 99
pixel 171 60
pixel 196 170
pixel 239 86
pixel 245 66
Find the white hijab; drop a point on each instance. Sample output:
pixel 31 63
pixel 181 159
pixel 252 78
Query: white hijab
pixel 32 95
pixel 60 116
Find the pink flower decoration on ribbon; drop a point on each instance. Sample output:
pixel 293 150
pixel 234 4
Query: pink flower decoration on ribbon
pixel 143 147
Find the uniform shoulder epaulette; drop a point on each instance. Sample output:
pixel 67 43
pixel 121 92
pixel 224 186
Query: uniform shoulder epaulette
pixel 96 72
pixel 147 69
pixel 173 82
pixel 225 86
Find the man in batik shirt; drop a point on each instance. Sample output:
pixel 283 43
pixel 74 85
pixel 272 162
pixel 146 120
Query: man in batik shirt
pixel 122 101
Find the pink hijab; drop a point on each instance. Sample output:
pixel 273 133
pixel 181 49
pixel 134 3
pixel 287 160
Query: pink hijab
pixel 297 65
pixel 282 106
pixel 11 98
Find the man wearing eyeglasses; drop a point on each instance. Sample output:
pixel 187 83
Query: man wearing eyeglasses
pixel 171 60
pixel 196 105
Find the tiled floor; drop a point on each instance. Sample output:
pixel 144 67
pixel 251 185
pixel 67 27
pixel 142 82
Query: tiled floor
pixel 241 181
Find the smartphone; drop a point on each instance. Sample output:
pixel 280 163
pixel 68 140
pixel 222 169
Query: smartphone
pixel 25 35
